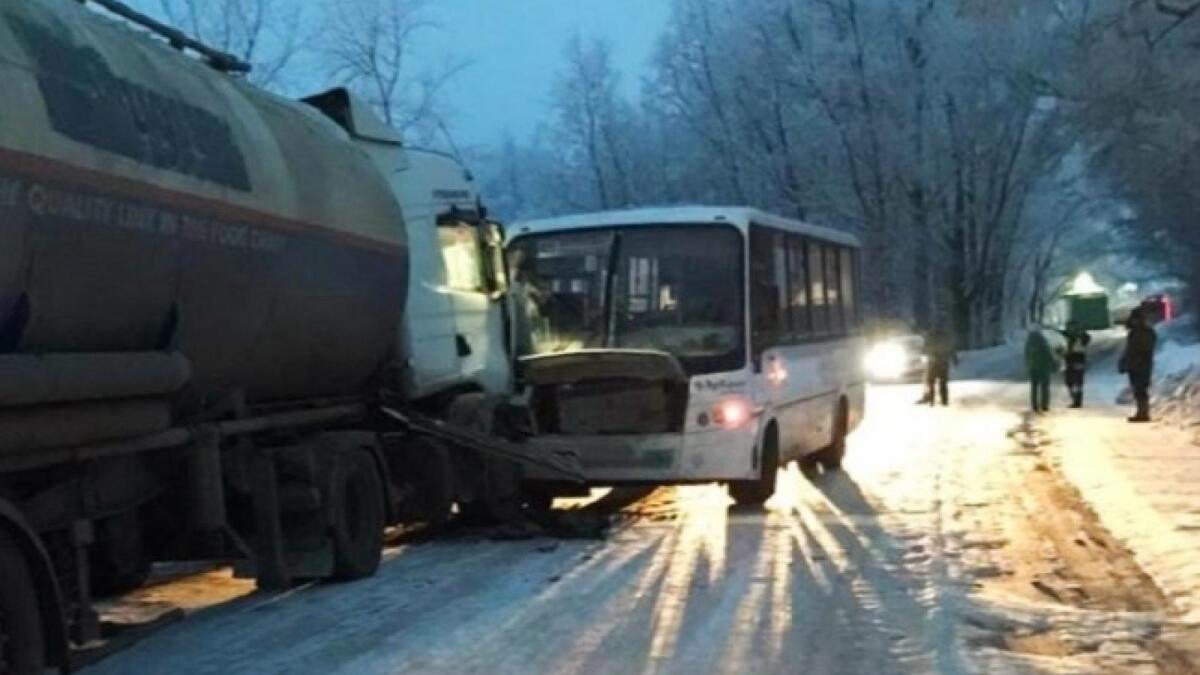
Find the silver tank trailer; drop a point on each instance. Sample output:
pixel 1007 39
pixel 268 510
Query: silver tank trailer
pixel 149 203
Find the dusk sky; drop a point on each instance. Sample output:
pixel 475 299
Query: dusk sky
pixel 514 48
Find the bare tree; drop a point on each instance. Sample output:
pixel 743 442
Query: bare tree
pixel 369 46
pixel 264 33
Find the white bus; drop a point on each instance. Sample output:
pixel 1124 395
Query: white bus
pixel 687 345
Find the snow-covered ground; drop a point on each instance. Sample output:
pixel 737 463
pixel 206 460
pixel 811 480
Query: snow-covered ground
pixel 932 552
pixel 1143 481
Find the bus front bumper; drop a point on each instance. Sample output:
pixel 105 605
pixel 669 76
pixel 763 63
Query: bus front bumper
pixel 693 457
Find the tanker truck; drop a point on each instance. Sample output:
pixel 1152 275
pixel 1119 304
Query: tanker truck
pixel 232 327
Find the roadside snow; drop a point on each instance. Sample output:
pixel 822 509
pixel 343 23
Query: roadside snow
pixel 1176 393
pixel 1143 481
pixel 1144 484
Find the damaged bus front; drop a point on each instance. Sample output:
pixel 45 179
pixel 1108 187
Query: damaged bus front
pixel 638 343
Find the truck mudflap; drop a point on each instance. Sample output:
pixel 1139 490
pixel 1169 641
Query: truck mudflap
pixel 559 461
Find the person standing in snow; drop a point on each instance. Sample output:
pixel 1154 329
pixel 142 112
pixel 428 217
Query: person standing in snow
pixel 940 354
pixel 1040 363
pixel 1075 361
pixel 1138 361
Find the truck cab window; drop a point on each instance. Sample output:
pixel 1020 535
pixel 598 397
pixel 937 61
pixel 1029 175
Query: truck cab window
pixel 462 256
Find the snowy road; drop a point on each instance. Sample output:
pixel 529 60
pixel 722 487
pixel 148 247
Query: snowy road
pixel 947 545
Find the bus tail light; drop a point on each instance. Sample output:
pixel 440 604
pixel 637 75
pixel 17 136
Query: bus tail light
pixel 731 413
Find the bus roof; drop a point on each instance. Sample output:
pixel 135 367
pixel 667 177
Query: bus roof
pixel 741 216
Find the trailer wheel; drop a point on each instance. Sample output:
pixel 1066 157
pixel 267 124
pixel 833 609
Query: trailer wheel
pixel 756 492
pixel 358 516
pixel 22 650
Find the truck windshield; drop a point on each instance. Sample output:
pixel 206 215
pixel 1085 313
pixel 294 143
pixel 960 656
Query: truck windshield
pixel 670 288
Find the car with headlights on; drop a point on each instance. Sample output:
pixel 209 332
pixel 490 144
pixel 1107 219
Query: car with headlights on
pixel 899 358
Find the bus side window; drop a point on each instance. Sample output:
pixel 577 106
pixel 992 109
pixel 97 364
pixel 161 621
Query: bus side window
pixel 816 278
pixel 779 284
pixel 833 295
pixel 798 289
pixel 768 311
pixel 849 290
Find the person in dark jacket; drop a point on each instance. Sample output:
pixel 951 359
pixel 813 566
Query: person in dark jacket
pixel 1138 362
pixel 1075 361
pixel 940 354
pixel 1040 362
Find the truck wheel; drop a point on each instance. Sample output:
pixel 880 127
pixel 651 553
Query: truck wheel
pixel 358 516
pixel 118 558
pixel 756 492
pixel 832 456
pixel 22 651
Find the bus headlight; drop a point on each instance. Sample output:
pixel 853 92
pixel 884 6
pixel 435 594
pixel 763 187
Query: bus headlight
pixel 886 360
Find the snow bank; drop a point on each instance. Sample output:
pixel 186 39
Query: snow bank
pixel 1175 397
pixel 1004 361
pixel 1175 394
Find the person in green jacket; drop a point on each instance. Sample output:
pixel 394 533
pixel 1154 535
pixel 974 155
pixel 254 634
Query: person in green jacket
pixel 1041 364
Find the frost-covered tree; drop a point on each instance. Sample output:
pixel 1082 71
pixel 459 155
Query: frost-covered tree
pixel 1131 75
pixel 589 126
pixel 939 130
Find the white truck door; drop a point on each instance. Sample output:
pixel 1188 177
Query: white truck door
pixel 430 325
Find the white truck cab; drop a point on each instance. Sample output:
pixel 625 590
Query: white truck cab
pixel 454 327
pixel 454 335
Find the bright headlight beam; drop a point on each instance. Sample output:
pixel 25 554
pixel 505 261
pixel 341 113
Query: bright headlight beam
pixel 886 360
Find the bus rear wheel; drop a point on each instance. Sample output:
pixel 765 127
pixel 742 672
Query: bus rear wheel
pixel 756 492
pixel 21 646
pixel 831 457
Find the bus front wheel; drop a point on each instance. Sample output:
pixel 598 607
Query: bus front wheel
pixel 756 492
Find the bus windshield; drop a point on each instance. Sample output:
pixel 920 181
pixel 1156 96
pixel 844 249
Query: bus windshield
pixel 676 289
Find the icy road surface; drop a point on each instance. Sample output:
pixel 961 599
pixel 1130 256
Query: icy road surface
pixel 948 545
